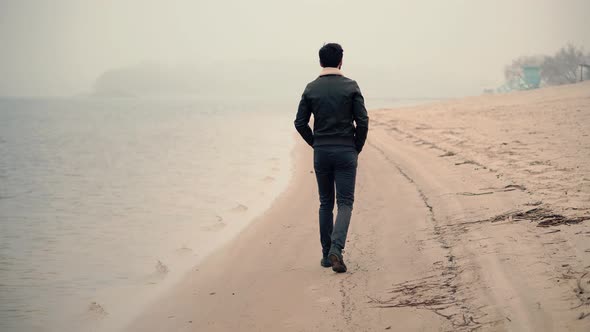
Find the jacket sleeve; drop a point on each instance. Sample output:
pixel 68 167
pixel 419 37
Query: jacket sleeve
pixel 302 121
pixel 361 118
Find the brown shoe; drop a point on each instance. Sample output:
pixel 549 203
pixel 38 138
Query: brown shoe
pixel 337 263
pixel 325 262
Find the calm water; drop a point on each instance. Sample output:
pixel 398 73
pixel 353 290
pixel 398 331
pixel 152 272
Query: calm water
pixel 104 202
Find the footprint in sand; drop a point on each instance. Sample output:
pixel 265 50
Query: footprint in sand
pixel 268 179
pixel 184 250
pixel 96 309
pixel 239 208
pixel 213 227
pixel 312 289
pixel 160 272
pixel 161 268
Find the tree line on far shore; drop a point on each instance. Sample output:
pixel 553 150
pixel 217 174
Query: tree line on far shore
pixel 561 68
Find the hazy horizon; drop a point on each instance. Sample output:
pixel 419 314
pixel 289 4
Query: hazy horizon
pixel 417 49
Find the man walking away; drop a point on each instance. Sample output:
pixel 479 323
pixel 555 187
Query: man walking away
pixel 335 102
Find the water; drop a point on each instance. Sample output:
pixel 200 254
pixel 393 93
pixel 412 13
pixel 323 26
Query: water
pixel 104 202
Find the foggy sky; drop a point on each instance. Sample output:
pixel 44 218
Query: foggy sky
pixel 425 48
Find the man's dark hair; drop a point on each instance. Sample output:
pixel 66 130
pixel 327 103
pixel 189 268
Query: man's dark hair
pixel 331 55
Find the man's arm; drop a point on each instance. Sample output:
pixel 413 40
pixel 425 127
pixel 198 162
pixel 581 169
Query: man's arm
pixel 302 121
pixel 361 118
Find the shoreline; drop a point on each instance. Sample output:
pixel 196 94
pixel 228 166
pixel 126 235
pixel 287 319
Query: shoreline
pixel 137 194
pixel 162 280
pixel 299 174
pixel 430 244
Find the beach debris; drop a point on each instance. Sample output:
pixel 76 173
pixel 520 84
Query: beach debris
pixel 467 162
pixel 436 293
pixel 582 290
pixel 512 187
pixel 540 162
pixel 543 216
pixel 475 194
pixel 447 154
pixel 212 293
pixel 583 315
pixel 161 267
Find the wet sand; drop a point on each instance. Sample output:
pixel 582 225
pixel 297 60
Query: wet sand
pixel 469 215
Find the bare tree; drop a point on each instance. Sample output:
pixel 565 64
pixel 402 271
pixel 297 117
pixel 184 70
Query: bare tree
pixel 586 70
pixel 563 67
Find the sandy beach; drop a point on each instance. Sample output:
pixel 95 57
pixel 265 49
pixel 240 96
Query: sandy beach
pixel 470 214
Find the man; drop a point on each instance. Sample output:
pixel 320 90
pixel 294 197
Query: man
pixel 335 102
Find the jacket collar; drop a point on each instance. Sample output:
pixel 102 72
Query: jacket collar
pixel 331 71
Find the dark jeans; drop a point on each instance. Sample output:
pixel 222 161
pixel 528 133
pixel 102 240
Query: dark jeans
pixel 335 165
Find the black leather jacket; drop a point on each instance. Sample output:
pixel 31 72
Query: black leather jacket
pixel 335 102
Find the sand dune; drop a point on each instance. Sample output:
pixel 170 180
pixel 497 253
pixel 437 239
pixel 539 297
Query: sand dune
pixel 445 233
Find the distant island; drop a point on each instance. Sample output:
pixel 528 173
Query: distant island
pixel 154 80
pixel 271 79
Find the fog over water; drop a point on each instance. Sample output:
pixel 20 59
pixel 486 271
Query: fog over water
pixel 393 48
